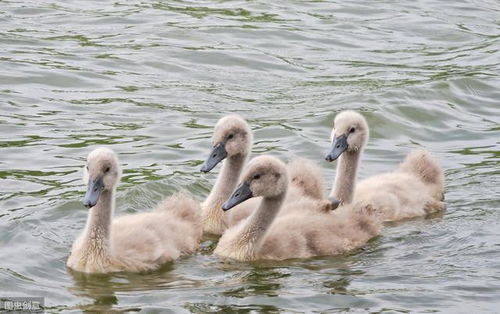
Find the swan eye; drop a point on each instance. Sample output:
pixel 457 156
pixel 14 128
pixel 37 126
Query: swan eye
pixel 352 130
pixel 107 169
pixel 230 136
pixel 256 177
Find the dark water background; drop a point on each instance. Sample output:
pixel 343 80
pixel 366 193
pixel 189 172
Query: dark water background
pixel 150 79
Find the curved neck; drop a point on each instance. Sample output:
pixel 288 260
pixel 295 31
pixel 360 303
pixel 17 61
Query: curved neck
pixel 345 178
pixel 224 186
pixel 98 228
pixel 249 240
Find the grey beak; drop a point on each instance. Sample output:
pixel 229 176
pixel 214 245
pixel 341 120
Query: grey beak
pixel 338 147
pixel 217 155
pixel 241 194
pixel 94 190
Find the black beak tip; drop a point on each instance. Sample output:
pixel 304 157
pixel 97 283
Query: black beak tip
pixel 206 169
pixel 225 207
pixel 88 205
pixel 328 158
pixel 334 202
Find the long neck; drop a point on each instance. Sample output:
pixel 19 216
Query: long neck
pixel 224 186
pixel 251 236
pixel 345 180
pixel 98 228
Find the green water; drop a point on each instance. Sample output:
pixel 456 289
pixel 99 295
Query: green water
pixel 149 79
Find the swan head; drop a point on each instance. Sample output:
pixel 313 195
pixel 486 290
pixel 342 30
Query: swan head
pixel 232 138
pixel 350 134
pixel 102 172
pixel 263 176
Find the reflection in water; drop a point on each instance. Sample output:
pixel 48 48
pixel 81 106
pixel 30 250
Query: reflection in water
pixel 338 286
pixel 99 288
pixel 258 281
pixel 103 288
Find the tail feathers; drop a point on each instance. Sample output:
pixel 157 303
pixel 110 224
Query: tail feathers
pixel 182 206
pixel 425 166
pixel 370 219
pixel 362 218
pixel 307 177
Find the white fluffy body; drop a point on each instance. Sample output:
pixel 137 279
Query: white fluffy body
pixel 138 242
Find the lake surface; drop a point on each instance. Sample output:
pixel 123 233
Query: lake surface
pixel 149 79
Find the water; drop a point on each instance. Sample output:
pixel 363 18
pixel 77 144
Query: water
pixel 150 79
